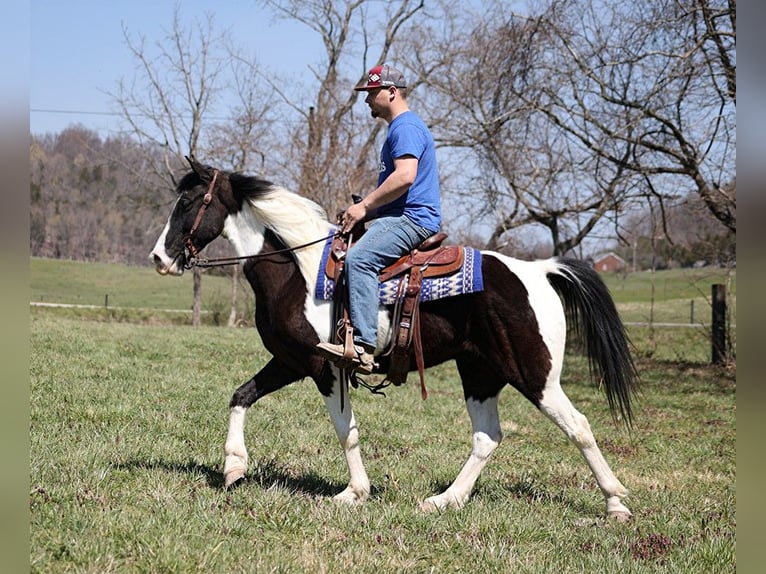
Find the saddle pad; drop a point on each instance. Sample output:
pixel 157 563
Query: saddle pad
pixel 468 279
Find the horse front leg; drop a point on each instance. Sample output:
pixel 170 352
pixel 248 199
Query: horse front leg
pixel 272 377
pixel 235 451
pixel 557 406
pixel 343 420
pixel 485 423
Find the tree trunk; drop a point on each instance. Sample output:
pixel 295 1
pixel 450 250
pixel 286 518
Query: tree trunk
pixel 234 282
pixel 197 304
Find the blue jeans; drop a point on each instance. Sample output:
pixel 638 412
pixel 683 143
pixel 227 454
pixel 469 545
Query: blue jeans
pixel 385 241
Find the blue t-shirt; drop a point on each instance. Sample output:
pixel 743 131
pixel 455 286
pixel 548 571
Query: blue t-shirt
pixel 409 135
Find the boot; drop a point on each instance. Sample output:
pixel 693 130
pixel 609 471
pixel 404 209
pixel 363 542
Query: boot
pixel 363 362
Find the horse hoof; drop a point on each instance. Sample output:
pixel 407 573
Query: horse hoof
pixel 439 503
pixel 429 506
pixel 233 478
pixel 620 516
pixel 349 497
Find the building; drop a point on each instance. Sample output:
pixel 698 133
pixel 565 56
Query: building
pixel 609 263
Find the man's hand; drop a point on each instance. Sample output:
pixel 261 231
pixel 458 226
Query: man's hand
pixel 354 214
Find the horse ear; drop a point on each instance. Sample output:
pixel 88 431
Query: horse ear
pixel 198 168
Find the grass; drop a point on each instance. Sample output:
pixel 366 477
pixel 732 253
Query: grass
pixel 128 422
pixel 668 284
pixel 81 283
pixel 130 293
pixel 680 295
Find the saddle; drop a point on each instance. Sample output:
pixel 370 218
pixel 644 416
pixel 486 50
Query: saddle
pixel 429 259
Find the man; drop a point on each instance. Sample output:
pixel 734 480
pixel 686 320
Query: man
pixel 405 206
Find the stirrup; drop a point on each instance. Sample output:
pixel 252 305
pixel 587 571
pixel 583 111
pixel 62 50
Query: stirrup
pixel 335 353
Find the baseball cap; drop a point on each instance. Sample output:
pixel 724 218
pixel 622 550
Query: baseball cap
pixel 381 77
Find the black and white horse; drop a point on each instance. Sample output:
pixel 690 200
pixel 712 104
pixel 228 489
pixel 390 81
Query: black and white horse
pixel 511 333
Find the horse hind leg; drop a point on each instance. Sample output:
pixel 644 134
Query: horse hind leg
pixel 557 406
pixel 487 435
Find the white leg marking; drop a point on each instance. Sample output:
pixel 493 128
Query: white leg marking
pixel 486 436
pixel 358 488
pixel 235 465
pixel 556 405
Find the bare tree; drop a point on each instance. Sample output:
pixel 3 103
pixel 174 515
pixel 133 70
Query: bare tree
pixel 167 103
pixel 521 170
pixel 332 148
pixel 654 79
pixel 242 141
pixel 85 203
pixel 567 116
pixel 171 104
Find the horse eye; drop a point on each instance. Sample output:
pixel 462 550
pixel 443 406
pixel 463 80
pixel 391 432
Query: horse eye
pixel 186 200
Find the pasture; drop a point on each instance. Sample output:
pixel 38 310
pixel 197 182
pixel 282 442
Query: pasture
pixel 129 411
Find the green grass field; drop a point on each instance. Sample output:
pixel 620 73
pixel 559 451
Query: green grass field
pixel 680 295
pixel 129 414
pixel 81 283
pixel 116 292
pixel 128 423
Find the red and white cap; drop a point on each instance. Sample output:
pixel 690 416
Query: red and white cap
pixel 383 76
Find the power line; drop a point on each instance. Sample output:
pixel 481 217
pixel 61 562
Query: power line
pixel 51 111
pixel 114 114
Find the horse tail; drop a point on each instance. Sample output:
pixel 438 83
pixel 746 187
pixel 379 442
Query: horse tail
pixel 593 318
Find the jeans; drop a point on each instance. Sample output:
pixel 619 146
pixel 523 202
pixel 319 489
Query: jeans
pixel 385 241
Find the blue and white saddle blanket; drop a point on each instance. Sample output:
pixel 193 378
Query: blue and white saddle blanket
pixel 468 279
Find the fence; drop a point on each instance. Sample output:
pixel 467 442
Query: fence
pixel 701 332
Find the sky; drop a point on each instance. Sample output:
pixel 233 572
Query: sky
pixel 78 52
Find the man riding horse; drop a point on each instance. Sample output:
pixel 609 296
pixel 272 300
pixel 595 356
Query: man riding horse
pixel 404 210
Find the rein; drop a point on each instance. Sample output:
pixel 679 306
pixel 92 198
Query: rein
pixel 195 261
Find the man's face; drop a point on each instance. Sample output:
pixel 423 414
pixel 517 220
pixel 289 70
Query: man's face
pixel 375 100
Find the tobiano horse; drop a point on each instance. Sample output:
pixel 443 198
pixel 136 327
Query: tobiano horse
pixel 510 333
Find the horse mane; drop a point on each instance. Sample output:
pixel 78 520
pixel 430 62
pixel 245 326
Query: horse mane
pixel 295 219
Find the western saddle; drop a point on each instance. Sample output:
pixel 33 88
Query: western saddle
pixel 429 259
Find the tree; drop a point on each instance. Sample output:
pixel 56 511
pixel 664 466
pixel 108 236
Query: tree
pixel 514 164
pixel 649 88
pixel 682 234
pixel 333 151
pixel 170 106
pixel 84 202
pixel 569 116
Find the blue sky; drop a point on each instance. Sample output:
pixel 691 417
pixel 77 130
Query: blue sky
pixel 78 52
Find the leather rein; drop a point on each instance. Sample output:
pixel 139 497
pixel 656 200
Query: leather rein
pixel 194 259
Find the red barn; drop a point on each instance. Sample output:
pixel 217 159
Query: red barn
pixel 609 263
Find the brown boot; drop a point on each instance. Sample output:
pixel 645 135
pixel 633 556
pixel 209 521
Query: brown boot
pixel 362 361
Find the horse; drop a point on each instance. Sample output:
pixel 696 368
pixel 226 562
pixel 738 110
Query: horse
pixel 510 333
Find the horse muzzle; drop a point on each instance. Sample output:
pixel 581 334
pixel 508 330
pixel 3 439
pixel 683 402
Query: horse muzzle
pixel 166 266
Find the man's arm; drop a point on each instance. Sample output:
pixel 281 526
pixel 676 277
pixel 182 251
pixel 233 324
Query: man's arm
pixel 395 185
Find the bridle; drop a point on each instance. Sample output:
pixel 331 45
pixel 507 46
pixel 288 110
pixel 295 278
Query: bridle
pixel 193 260
pixel 189 238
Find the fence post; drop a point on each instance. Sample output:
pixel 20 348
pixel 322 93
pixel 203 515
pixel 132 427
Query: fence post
pixel 719 324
